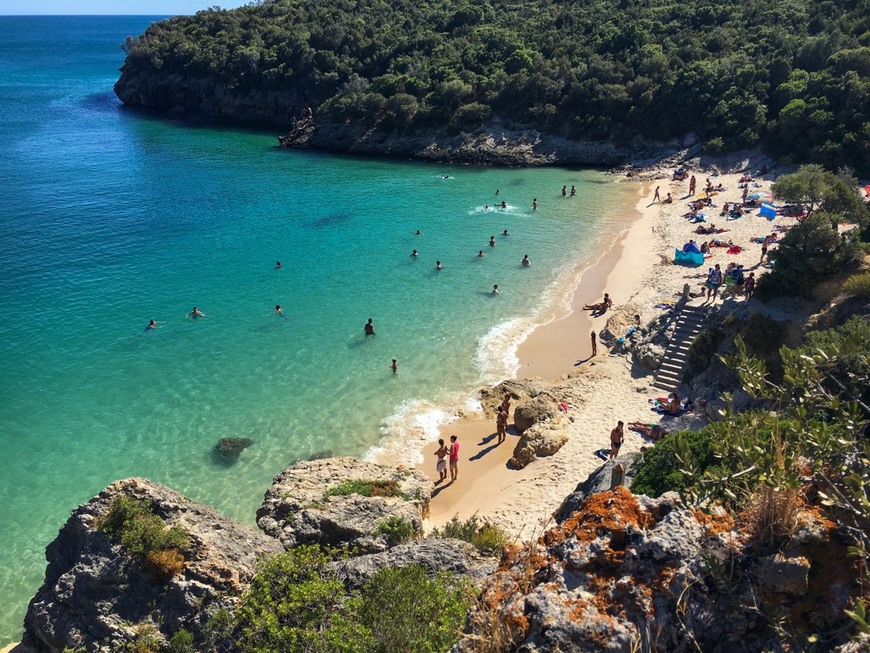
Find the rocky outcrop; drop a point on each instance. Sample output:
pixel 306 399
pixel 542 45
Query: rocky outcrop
pixel 231 448
pixel 539 409
pixel 540 440
pixel 601 480
pixel 626 573
pixel 311 503
pixel 433 554
pixel 98 596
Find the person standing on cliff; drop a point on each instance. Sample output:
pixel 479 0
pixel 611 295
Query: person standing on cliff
pixel 454 458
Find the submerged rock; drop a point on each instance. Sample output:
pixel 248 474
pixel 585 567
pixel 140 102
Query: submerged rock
pixel 314 502
pixel 99 597
pixel 231 448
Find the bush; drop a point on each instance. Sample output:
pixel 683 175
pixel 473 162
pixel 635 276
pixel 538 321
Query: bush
pixel 367 489
pixel 488 538
pixel 182 642
pixel 704 347
pixel 659 470
pixel 133 524
pixel 858 286
pixel 407 611
pixel 396 529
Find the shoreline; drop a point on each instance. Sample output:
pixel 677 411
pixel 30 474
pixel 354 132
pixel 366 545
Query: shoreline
pixel 638 274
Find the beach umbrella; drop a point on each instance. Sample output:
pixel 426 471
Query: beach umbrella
pixel 761 195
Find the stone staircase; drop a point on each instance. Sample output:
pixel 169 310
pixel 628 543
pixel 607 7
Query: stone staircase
pixel 689 323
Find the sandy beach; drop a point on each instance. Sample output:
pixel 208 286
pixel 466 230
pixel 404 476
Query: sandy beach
pixel 638 274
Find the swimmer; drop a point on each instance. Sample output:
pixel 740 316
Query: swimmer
pixel 414 253
pixel 495 289
pixel 438 265
pixel 152 325
pixel 534 204
pixel 369 328
pixel 486 207
pixel 496 191
pixel 526 262
pixel 503 204
pixel 278 311
pixel 418 233
pixel 492 241
pixel 442 177
pixel 480 254
pixel 277 265
pixel 195 313
pixel 504 233
pixel 394 366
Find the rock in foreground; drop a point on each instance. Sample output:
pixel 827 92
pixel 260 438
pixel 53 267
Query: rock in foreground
pixel 98 596
pixel 324 502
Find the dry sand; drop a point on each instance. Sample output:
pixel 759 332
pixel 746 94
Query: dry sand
pixel 638 275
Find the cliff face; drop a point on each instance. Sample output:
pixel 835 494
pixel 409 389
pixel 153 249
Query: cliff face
pixel 98 596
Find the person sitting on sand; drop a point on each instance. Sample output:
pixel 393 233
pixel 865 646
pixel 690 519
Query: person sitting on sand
pixel 674 404
pixel 705 248
pixel 600 307
pixel 617 437
pixel 654 431
pixel 668 199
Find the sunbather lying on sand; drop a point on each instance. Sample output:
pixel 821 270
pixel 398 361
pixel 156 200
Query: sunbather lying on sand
pixel 654 431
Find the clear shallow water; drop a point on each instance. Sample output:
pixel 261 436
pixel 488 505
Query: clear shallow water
pixel 109 218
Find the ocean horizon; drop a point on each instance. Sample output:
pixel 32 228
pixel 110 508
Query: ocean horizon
pixel 114 217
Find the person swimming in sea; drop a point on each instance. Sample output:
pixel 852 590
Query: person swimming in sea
pixel 480 254
pixel 152 324
pixel 495 289
pixel 414 253
pixel 504 233
pixel 486 207
pixel 195 313
pixel 418 233
pixel 526 262
pixel 492 241
pixel 278 311
pixel 438 265
pixel 503 204
pixel 277 265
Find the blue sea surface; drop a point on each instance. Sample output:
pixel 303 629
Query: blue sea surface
pixel 111 217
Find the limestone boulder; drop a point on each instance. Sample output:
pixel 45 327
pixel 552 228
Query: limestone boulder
pixel 539 409
pixel 311 502
pixel 649 355
pixel 97 596
pixel 538 441
pixel 601 480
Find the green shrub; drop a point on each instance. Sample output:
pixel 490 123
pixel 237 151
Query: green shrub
pixel 396 529
pixel 858 286
pixel 388 488
pixel 704 347
pixel 296 604
pixel 133 524
pixel 659 470
pixel 488 538
pixel 182 642
pixel 407 611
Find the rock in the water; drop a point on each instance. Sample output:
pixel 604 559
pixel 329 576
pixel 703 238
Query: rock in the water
pixel 231 448
pixel 98 597
pixel 539 440
pixel 433 554
pixel 300 507
pixel 532 412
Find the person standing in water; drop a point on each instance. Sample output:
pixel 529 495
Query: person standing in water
pixel 394 366
pixel 152 324
pixel 369 328
pixel 277 265
pixel 414 253
pixel 441 465
pixel 573 191
pixel 278 311
pixel 438 265
pixel 526 262
pixel 454 458
pixel 492 241
pixel 195 313
pixel 495 289
pixel 480 254
pixel 564 191
pixel 534 204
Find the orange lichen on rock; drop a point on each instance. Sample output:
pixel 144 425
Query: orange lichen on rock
pixel 714 524
pixel 604 511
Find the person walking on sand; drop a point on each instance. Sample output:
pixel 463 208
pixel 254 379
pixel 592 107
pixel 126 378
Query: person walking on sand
pixel 441 465
pixel 657 197
pixel 617 437
pixel 501 425
pixel 692 183
pixel 454 458
pixel 594 344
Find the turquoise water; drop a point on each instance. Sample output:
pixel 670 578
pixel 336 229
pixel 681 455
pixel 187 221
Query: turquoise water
pixel 111 218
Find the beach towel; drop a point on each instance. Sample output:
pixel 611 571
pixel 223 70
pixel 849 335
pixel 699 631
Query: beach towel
pixel 604 454
pixel 663 306
pixel 734 249
pixel 688 258
pixel 564 407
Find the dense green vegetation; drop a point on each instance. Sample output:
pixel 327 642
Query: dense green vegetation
pixel 132 523
pixel 297 604
pixel 793 74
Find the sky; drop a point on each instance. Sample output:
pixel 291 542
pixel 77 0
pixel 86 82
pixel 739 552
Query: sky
pixel 111 7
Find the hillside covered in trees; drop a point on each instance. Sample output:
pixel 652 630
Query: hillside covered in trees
pixel 792 75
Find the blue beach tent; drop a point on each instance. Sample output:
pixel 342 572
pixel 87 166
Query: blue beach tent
pixel 693 259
